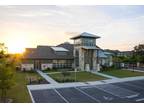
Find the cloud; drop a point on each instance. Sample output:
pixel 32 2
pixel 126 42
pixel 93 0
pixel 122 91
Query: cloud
pixel 35 14
pixel 123 33
pixel 61 22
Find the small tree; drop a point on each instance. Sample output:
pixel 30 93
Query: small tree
pixel 6 78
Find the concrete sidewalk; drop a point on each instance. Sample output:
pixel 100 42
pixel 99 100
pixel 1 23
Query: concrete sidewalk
pixel 46 77
pixel 78 84
pixel 54 84
pixel 104 75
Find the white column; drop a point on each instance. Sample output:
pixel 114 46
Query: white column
pixel 94 60
pixel 81 59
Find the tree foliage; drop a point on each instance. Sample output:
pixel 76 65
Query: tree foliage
pixel 137 56
pixel 139 49
pixel 6 74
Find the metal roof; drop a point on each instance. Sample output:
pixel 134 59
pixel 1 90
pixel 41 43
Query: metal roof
pixel 101 54
pixel 46 52
pixel 85 35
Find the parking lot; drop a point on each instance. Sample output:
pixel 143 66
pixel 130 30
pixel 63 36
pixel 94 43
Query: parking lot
pixel 122 92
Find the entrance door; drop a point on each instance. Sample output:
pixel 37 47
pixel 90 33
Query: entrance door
pixel 88 58
pixel 37 64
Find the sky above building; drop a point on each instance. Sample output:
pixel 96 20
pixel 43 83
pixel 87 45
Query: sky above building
pixel 120 27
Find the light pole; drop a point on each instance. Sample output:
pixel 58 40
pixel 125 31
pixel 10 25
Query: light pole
pixel 75 75
pixel 133 61
pixel 75 67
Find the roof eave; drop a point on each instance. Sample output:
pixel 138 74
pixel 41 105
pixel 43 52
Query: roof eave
pixel 76 37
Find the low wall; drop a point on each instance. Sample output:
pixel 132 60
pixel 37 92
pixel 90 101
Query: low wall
pixel 27 67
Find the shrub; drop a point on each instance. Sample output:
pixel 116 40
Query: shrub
pixel 49 69
pixel 64 80
pixel 106 68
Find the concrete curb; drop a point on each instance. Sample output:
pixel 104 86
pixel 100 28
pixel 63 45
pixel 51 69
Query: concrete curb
pixel 30 95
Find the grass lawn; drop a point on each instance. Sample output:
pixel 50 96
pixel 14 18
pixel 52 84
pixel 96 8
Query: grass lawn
pixel 19 92
pixel 80 76
pixel 123 73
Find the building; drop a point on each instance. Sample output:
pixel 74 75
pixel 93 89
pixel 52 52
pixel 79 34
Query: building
pixel 44 57
pixel 105 58
pixel 120 53
pixel 82 55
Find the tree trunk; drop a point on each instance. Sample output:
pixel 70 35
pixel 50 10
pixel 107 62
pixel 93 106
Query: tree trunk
pixel 3 95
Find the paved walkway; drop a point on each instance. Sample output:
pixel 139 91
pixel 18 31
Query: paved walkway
pixel 46 77
pixel 53 73
pixel 54 84
pixel 104 75
pixel 77 84
pixel 134 70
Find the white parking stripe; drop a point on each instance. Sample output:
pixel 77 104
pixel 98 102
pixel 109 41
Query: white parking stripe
pixel 87 95
pixel 132 96
pixel 61 96
pixel 107 92
pixel 117 91
pixel 136 86
pixel 138 100
pixel 33 101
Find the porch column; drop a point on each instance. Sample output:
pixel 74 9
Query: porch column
pixel 94 60
pixel 81 59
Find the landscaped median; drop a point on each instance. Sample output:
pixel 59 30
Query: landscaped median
pixel 122 73
pixel 76 76
pixel 19 93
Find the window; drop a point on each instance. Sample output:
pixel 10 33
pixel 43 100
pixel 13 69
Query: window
pixel 77 42
pixel 88 42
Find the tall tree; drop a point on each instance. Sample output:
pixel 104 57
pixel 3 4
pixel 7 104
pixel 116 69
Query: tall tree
pixel 139 49
pixel 139 52
pixel 3 50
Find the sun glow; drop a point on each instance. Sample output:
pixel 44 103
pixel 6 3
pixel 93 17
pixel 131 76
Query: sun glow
pixel 17 44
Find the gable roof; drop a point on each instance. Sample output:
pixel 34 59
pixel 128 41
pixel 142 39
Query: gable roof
pixel 67 45
pixel 46 52
pixel 85 35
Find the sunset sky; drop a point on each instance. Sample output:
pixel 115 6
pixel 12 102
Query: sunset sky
pixel 120 27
